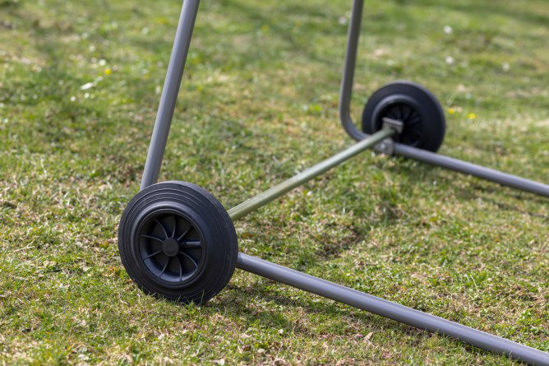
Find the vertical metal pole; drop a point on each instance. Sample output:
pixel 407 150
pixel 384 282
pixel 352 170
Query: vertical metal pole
pixel 346 90
pixel 170 92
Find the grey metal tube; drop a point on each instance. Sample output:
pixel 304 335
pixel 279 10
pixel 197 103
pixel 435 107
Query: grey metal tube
pixel 169 93
pixel 345 95
pixel 271 194
pixel 391 310
pixel 472 169
pixel 346 90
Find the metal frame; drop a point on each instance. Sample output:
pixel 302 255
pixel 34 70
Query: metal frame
pixel 345 96
pixel 306 282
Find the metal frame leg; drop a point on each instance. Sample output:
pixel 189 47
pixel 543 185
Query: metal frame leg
pixel 346 90
pixel 291 277
pixel 170 92
pixel 391 310
pixel 349 126
pixel 475 170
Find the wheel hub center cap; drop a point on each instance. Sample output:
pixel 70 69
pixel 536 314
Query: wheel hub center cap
pixel 170 247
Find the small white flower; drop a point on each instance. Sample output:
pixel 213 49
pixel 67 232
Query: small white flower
pixel 505 66
pixel 73 98
pixel 450 60
pixel 87 95
pixel 102 62
pixel 448 29
pixel 342 20
pixel 87 86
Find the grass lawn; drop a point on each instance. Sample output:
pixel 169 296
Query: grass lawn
pixel 79 87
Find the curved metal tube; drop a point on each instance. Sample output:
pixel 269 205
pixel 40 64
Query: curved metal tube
pixel 349 126
pixel 346 90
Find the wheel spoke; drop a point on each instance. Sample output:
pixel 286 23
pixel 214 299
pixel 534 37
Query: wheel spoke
pixel 409 113
pixel 152 238
pixel 189 258
pixel 414 119
pixel 153 254
pixel 163 228
pixel 165 266
pixel 192 244
pixel 392 114
pixel 174 227
pixel 184 233
pixel 180 268
pixel 413 122
pixel 400 109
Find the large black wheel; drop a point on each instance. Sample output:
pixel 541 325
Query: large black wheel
pixel 177 241
pixel 412 104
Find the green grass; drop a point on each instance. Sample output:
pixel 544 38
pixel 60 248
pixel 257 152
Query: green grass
pixel 259 103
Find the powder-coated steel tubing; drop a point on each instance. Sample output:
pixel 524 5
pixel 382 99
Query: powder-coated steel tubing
pixel 306 282
pixel 349 126
pixel 273 193
pixel 170 91
pixel 391 310
pixel 349 66
pixel 473 169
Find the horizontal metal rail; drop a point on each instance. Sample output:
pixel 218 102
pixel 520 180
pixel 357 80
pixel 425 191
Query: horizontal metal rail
pixel 273 193
pixel 492 175
pixel 391 310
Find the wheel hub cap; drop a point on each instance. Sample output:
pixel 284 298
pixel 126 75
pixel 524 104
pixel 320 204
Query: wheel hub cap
pixel 170 247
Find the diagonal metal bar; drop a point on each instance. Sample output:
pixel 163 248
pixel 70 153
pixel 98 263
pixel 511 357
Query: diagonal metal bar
pixel 280 189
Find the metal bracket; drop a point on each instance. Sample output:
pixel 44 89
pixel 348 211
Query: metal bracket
pixel 387 146
pixel 393 124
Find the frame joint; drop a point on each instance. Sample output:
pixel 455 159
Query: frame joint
pixel 387 146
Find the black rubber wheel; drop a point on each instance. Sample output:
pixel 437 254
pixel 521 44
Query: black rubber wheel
pixel 177 241
pixel 415 106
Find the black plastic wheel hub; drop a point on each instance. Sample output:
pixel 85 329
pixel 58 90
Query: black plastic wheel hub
pixel 176 240
pixel 401 108
pixel 171 247
pixel 416 107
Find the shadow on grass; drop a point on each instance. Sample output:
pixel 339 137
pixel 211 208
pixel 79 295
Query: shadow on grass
pixel 368 322
pixel 239 305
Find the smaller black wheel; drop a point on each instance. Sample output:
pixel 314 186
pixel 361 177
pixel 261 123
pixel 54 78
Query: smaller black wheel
pixel 412 104
pixel 177 241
